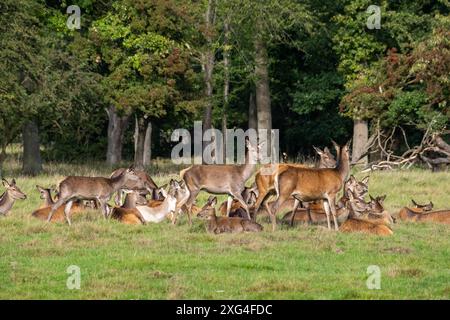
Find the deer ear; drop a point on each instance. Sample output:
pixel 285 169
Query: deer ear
pixel 431 203
pixel 213 201
pixel 348 143
pixel 164 192
pixel 382 198
pixel 319 152
pixel 414 203
pixel 371 198
pixel 13 182
pixel 5 183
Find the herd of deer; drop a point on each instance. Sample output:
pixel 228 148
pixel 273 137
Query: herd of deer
pixel 308 194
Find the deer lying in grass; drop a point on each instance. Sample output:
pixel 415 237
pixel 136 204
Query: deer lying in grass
pixel 370 218
pixel 90 188
pixel 11 194
pixel 221 179
pixel 128 213
pixel 236 210
pixel 310 184
pixel 143 186
pixel 46 206
pixel 159 213
pixel 265 177
pixel 218 225
pixel 423 213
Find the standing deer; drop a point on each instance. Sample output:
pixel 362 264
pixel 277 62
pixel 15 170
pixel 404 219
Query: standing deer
pixel 90 188
pixel 225 224
pixel 264 178
pixel 310 184
pixel 11 194
pixel 222 179
pixel 144 185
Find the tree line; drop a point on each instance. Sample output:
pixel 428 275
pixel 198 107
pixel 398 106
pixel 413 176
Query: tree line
pixel 136 69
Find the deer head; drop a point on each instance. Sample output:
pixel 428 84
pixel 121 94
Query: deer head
pixel 423 207
pixel 327 159
pixel 13 190
pixel 209 209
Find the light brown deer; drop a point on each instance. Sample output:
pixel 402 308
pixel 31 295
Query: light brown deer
pixel 218 225
pixel 310 184
pixel 265 177
pixel 370 218
pixel 221 179
pixel 144 186
pixel 10 196
pixel 90 188
pixel 127 213
pixel 46 206
pixel 420 214
pixel 159 213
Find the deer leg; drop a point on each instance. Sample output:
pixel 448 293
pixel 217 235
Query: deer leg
pixel 332 205
pixel 229 202
pixel 67 211
pixel 308 211
pixel 55 206
pixel 104 208
pixel 192 196
pixel 326 207
pixel 239 198
pixel 294 211
pixel 273 211
pixel 259 201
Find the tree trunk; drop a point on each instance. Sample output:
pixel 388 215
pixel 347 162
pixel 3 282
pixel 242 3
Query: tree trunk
pixel 263 108
pixel 141 130
pixel 208 63
pixel 252 114
pixel 226 84
pixel 32 162
pixel 360 139
pixel 148 145
pixel 116 129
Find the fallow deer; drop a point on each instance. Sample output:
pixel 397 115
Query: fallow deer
pixel 11 194
pixel 218 225
pixel 221 179
pixel 90 188
pixel 310 184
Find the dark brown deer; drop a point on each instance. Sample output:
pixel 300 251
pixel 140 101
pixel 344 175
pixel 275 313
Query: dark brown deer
pixel 310 184
pixel 10 196
pixel 221 179
pixel 90 188
pixel 218 225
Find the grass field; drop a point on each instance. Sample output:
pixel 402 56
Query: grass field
pixel 182 262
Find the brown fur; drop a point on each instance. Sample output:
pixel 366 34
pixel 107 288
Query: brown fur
pixel 309 184
pixel 418 215
pixel 218 225
pixel 365 226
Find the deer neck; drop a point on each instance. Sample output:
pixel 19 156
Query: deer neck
pixel 118 182
pixel 343 166
pixel 130 201
pixel 48 199
pixel 247 168
pixel 212 222
pixel 6 203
